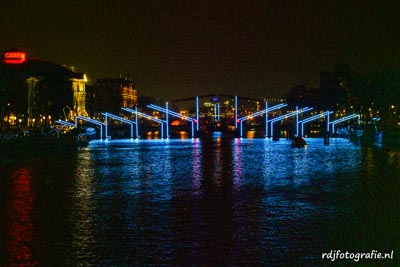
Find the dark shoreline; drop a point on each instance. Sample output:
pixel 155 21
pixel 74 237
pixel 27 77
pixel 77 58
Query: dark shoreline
pixel 23 149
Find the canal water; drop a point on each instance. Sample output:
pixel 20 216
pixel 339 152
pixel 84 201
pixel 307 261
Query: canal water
pixel 201 202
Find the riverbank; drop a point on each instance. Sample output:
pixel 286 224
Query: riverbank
pixel 26 148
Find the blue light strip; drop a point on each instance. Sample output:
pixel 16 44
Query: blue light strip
pixel 166 115
pixel 266 119
pixel 258 113
pixel 117 118
pixel 137 123
pixel 316 116
pixel 143 115
pixel 218 111
pixel 173 113
pixel 236 111
pixel 290 114
pixel 170 112
pixel 327 122
pixel 91 121
pixel 215 112
pixel 349 117
pixel 286 116
pixel 297 121
pixel 106 126
pixel 66 123
pixel 197 113
pixel 106 114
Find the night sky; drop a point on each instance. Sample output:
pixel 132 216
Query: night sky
pixel 175 49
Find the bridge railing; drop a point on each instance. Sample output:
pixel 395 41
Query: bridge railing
pixel 349 117
pixel 282 117
pixel 175 114
pixel 99 123
pixel 115 117
pixel 259 113
pixel 315 117
pixel 137 113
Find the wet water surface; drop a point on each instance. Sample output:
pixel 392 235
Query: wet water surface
pixel 214 202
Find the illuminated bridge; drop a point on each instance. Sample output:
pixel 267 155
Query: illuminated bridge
pixel 197 116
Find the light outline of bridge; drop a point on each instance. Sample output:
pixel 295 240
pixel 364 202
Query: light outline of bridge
pixel 315 117
pixel 137 113
pixel 349 117
pixel 197 122
pixel 282 117
pixel 175 114
pixel 115 117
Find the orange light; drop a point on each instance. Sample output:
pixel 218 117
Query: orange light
pixel 175 123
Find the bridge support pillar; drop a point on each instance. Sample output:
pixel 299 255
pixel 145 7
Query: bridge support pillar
pixel 326 138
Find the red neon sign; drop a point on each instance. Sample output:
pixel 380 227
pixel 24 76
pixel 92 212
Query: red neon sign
pixel 14 57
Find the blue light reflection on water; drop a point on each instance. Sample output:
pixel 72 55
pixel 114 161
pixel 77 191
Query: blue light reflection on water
pixel 139 191
pixel 214 201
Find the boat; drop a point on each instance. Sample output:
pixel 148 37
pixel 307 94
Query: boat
pixel 90 134
pixel 298 142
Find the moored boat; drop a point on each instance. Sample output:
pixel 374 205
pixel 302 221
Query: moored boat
pixel 298 142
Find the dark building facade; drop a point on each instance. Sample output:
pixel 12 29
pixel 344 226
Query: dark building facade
pixel 110 94
pixel 35 92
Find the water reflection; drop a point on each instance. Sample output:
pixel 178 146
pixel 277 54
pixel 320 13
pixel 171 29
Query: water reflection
pixel 196 165
pixel 211 202
pixel 82 210
pixel 237 163
pixel 21 229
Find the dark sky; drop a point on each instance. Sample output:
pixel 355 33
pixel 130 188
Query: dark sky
pixel 177 49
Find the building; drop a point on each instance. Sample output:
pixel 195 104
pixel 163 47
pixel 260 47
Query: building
pixel 110 94
pixel 35 92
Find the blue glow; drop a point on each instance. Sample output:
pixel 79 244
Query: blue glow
pixel 266 119
pixel 106 114
pixel 170 112
pixel 258 113
pixel 173 113
pixel 117 118
pixel 137 124
pixel 236 111
pixel 91 121
pixel 297 121
pixel 137 113
pixel 197 113
pixel 290 114
pixel 315 117
pixel 349 117
pixel 166 118
pixel 215 112
pixel 143 115
pixel 66 123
